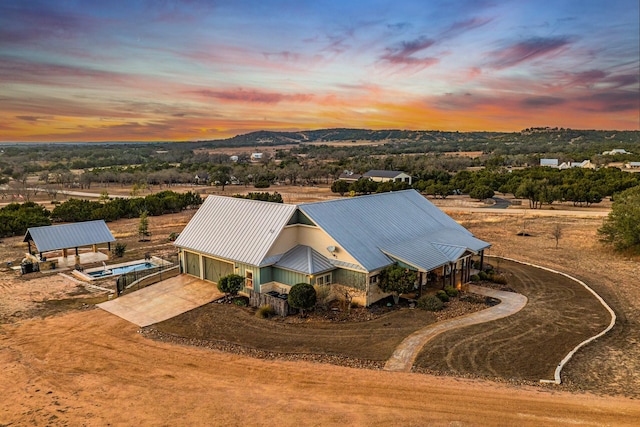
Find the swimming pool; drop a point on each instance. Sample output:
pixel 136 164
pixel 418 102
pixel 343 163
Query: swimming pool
pixel 116 271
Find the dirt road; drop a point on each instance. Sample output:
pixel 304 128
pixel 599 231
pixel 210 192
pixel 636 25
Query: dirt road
pixel 92 368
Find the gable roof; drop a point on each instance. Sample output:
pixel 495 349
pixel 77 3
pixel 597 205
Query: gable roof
pixel 54 237
pixel 548 162
pixel 396 223
pixel 236 229
pixel 304 259
pixel 382 173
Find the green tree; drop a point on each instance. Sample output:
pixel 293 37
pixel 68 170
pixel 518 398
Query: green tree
pixel 143 227
pixel 231 284
pixel 481 192
pixel 302 296
pixel 340 186
pixel 397 280
pixel 622 227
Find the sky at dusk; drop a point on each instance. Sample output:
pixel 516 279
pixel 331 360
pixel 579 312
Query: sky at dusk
pixel 85 70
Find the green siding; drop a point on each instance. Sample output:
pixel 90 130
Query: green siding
pixel 215 269
pixel 288 277
pixel 192 261
pixel 242 271
pixel 265 275
pixel 353 279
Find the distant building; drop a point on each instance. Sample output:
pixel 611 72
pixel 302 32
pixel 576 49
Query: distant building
pixel 256 156
pixel 233 158
pixel 550 163
pixel 632 165
pixel 615 151
pixel 349 176
pixel 585 164
pixel 384 176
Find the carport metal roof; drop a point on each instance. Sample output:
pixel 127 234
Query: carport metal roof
pixel 54 237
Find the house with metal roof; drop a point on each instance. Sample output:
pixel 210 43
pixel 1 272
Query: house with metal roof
pixel 550 163
pixel 384 176
pixel 344 243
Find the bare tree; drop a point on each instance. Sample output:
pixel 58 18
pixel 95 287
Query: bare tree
pixel 557 233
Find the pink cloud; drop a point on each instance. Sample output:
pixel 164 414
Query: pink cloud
pixel 526 51
pixel 253 96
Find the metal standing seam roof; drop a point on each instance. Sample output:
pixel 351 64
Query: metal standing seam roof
pixel 235 229
pixel 304 259
pixel 64 236
pixel 364 226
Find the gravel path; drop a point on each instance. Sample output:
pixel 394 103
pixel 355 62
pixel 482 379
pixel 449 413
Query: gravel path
pixel 404 356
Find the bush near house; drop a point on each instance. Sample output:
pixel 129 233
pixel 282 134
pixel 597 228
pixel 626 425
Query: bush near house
pixel 119 249
pixel 451 291
pixel 265 311
pixel 231 284
pixel 302 296
pixel 442 296
pixel 430 303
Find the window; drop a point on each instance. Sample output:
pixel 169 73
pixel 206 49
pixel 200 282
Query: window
pixel 373 279
pixel 324 279
pixel 248 282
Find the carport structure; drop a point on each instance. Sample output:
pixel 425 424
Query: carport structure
pixel 66 236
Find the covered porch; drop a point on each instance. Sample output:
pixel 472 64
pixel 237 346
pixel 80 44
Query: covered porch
pixel 53 244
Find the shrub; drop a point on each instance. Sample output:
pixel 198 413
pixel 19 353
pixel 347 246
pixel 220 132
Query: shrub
pixel 451 291
pixel 119 249
pixel 474 278
pixel 262 184
pixel 483 275
pixel 231 284
pixel 240 302
pixel 442 296
pixel 430 303
pixel 302 296
pixel 498 278
pixel 323 295
pixel 489 272
pixel 265 311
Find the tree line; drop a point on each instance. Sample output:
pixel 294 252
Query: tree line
pixel 539 185
pixel 16 218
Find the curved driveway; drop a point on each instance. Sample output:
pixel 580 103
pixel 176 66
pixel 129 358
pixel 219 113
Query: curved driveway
pixel 403 357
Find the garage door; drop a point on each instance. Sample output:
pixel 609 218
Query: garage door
pixel 193 263
pixel 215 269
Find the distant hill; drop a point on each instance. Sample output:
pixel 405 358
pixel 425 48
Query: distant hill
pixel 343 134
pixel 531 140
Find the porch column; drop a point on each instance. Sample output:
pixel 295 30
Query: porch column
pixel 94 248
pixel 65 252
pixel 481 259
pixel 77 254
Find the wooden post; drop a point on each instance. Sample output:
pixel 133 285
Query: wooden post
pixel 481 259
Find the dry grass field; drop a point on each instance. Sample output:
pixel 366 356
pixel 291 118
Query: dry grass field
pixel 66 363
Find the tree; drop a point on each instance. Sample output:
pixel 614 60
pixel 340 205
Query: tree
pixel 481 192
pixel 622 227
pixel 340 186
pixel 397 280
pixel 231 284
pixel 302 296
pixel 143 227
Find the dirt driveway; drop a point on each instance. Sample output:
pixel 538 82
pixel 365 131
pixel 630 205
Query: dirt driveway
pixel 528 345
pixel 93 368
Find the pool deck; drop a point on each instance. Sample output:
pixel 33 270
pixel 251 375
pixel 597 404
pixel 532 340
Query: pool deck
pixel 163 300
